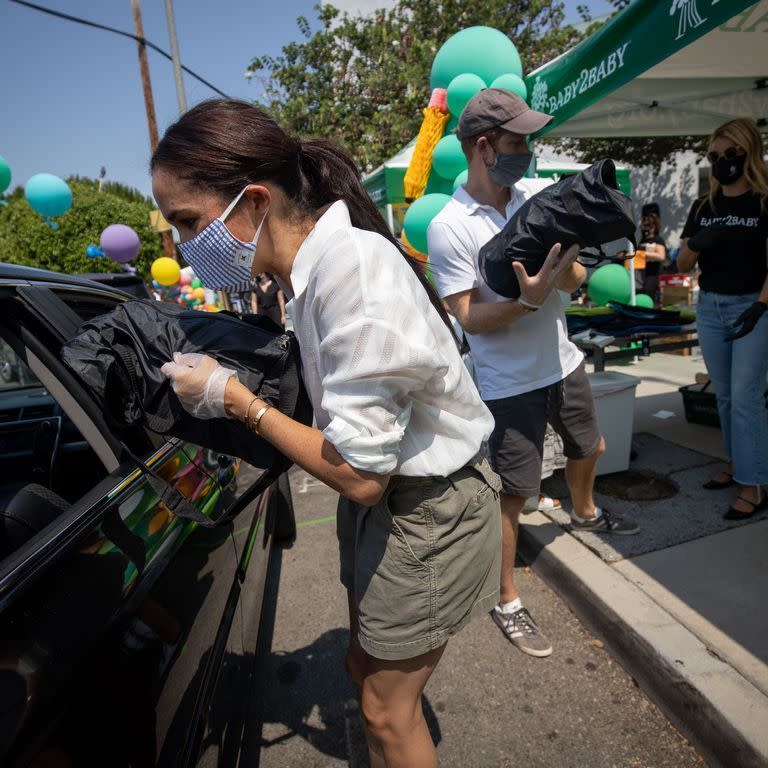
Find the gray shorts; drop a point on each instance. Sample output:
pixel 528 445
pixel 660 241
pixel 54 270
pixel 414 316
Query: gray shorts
pixel 423 561
pixel 517 443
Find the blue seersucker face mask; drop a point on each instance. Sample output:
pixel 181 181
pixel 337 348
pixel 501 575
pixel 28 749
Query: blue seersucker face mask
pixel 218 258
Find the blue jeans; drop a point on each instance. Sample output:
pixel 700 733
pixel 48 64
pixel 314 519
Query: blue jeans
pixel 738 370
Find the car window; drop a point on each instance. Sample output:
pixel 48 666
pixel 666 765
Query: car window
pixel 14 373
pixel 87 306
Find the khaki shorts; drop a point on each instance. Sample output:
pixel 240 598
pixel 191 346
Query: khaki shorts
pixel 424 560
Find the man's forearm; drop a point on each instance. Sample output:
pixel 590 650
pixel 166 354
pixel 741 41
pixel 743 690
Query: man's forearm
pixel 487 317
pixel 573 278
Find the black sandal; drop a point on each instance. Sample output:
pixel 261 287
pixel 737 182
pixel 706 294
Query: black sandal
pixel 716 485
pixel 737 514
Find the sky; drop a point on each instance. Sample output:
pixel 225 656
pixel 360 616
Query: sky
pixel 71 97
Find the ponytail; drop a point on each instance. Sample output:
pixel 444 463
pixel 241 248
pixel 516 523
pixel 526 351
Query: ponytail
pixel 226 144
pixel 330 174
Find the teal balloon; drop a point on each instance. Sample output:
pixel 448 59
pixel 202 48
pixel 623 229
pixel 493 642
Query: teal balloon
pixel 48 194
pixel 610 283
pixel 460 179
pixel 436 183
pixel 5 175
pixel 419 215
pixel 451 125
pixel 461 89
pixel 483 51
pixel 512 82
pixel 448 160
pixel 643 300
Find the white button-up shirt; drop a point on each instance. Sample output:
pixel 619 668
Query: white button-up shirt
pixel 534 351
pixel 387 384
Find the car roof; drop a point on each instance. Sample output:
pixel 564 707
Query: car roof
pixel 33 274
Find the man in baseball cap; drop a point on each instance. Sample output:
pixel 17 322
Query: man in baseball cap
pixel 498 108
pixel 527 370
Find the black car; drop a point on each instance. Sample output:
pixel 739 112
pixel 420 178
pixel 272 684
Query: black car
pixel 127 635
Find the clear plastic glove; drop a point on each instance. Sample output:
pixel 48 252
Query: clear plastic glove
pixel 535 290
pixel 199 382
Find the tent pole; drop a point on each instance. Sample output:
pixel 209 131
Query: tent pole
pixel 390 218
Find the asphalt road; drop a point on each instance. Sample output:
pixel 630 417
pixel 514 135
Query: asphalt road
pixel 488 705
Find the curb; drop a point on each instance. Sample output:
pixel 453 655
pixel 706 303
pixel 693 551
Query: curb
pixel 723 715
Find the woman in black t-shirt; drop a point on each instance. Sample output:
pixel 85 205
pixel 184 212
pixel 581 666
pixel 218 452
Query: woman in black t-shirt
pixel 268 299
pixel 727 233
pixel 655 249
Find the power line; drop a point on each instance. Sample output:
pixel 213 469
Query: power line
pixel 96 25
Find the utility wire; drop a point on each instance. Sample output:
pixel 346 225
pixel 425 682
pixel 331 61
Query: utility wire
pixel 94 24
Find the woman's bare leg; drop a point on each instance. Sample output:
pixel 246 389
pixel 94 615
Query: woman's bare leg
pixel 391 705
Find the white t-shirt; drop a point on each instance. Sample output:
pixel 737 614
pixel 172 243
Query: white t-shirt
pixel 387 383
pixel 528 354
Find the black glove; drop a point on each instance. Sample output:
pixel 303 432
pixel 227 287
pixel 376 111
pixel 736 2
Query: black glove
pixel 706 238
pixel 747 320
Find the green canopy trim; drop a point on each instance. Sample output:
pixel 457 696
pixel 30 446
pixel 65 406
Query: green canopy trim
pixel 634 40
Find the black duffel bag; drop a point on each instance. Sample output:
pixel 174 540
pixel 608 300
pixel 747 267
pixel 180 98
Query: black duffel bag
pixel 118 357
pixel 587 208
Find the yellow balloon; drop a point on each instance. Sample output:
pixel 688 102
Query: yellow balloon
pixel 166 271
pixel 199 293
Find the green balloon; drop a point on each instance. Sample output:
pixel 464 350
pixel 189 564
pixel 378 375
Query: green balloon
pixel 448 159
pixel 610 283
pixel 5 174
pixel 451 125
pixel 512 82
pixel 483 51
pixel 419 215
pixel 461 89
pixel 460 179
pixel 437 184
pixel 196 283
pixel 643 300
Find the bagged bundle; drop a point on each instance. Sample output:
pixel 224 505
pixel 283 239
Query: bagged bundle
pixel 118 356
pixel 586 208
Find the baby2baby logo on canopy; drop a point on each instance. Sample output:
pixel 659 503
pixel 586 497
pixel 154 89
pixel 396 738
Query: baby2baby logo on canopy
pixel 587 78
pixel 614 49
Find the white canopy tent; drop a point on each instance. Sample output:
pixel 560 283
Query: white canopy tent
pixel 660 68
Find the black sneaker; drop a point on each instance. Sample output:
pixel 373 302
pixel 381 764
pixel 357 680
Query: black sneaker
pixel 521 630
pixel 606 522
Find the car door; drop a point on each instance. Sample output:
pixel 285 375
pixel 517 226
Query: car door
pixel 116 617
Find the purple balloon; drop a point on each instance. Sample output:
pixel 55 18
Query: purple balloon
pixel 120 242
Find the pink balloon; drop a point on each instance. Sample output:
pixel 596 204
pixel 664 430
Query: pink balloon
pixel 120 243
pixel 185 279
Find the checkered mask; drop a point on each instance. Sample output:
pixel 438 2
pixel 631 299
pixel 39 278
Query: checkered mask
pixel 219 259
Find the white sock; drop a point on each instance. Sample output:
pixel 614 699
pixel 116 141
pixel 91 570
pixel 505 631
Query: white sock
pixel 511 607
pixel 598 514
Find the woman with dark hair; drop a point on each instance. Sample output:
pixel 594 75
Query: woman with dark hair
pixel 267 298
pixel 726 233
pixel 400 423
pixel 655 248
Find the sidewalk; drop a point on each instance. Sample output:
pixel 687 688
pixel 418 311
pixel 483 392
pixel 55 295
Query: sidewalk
pixel 681 605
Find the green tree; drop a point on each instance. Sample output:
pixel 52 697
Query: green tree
pixel 364 80
pixel 25 238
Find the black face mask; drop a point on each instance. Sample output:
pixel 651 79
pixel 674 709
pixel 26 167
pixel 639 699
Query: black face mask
pixel 729 171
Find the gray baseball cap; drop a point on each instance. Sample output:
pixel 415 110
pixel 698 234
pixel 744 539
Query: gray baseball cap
pixel 499 108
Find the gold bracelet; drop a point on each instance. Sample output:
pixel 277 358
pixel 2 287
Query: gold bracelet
pixel 248 411
pixel 258 417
